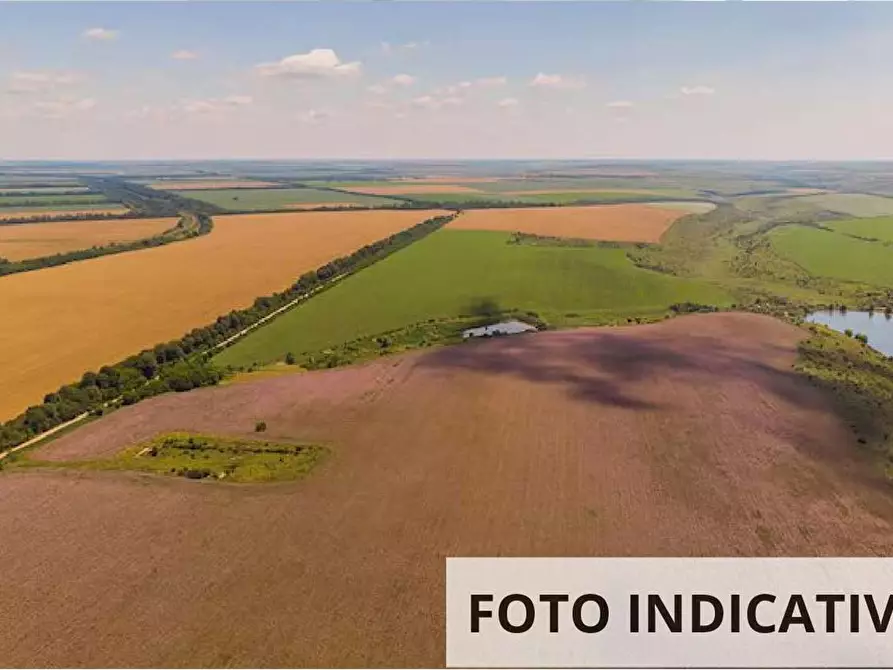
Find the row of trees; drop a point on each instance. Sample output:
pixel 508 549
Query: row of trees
pixel 188 226
pixel 184 364
pixel 55 216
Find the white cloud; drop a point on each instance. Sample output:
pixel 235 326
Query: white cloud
pixel 620 104
pixel 389 48
pixel 33 81
pixel 697 90
pixel 377 89
pixel 100 34
pixel 404 80
pixel 508 103
pixel 315 64
pixel 212 105
pixel 557 81
pixel 63 107
pixel 315 115
pixel 489 82
pixel 184 54
pixel 435 102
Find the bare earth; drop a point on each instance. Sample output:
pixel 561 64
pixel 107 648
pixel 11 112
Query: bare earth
pixel 691 437
pixel 621 223
pixel 33 240
pixel 78 317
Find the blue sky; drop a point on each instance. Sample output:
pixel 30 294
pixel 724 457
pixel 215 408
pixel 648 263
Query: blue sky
pixel 446 80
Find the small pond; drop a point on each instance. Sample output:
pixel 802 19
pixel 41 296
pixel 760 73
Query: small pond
pixel 876 325
pixel 504 328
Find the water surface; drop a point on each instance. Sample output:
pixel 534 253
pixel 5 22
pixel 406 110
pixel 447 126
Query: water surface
pixel 877 326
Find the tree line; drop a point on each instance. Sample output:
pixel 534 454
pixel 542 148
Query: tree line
pixel 184 364
pixel 189 225
pixel 80 216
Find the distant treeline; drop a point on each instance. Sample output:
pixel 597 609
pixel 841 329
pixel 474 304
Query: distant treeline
pixel 147 201
pixel 184 364
pixel 53 201
pixel 190 225
pixel 43 194
pixel 81 216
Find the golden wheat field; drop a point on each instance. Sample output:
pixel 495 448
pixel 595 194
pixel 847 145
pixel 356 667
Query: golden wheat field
pixel 33 240
pixel 620 223
pixel 80 316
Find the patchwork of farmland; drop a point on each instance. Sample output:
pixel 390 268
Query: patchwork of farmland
pixel 878 228
pixel 33 240
pixel 133 300
pixel 50 200
pixel 691 437
pixel 445 274
pixel 200 184
pixel 249 199
pixel 61 211
pixel 623 223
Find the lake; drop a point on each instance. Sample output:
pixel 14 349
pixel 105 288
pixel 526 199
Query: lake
pixel 504 328
pixel 876 326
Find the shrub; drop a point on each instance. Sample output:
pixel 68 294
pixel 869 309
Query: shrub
pixel 848 332
pixel 290 358
pixel 260 426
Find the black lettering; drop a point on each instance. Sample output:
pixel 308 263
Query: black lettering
pixel 553 599
pixel 476 613
pixel 880 624
pixel 529 613
pixel 577 613
pixel 655 605
pixel 796 602
pixel 634 613
pixel 736 613
pixel 830 599
pixel 697 626
pixel 752 613
pixel 854 613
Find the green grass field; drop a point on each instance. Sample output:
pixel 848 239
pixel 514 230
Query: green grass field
pixel 877 228
pixel 51 200
pixel 28 210
pixel 259 199
pixel 443 275
pixel 829 254
pixel 852 204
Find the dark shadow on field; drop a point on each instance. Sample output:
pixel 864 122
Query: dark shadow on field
pixel 613 367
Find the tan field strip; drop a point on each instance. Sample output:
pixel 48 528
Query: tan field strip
pixel 619 223
pixel 411 189
pixel 197 185
pixel 317 205
pixel 15 213
pixel 33 240
pixel 77 317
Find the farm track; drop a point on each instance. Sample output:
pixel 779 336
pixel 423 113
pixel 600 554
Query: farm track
pixel 688 437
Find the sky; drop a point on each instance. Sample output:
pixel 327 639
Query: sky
pixel 446 80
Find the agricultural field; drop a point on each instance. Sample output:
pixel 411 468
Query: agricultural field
pixel 448 272
pixel 137 299
pixel 691 437
pixel 50 200
pixel 33 240
pixel 41 190
pixel 852 204
pixel 283 198
pixel 201 184
pixel 829 254
pixel 61 211
pixel 622 223
pixel 877 228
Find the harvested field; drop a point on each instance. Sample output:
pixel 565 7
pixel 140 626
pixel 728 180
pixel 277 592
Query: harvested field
pixel 137 299
pixel 621 223
pixel 19 212
pixel 691 437
pixel 198 184
pixel 33 240
pixel 412 189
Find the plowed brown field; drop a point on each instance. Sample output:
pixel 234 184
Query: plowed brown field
pixel 32 240
pixel 66 320
pixel 621 223
pixel 685 438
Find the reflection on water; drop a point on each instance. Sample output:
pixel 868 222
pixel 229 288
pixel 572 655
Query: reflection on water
pixel 877 326
pixel 505 328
